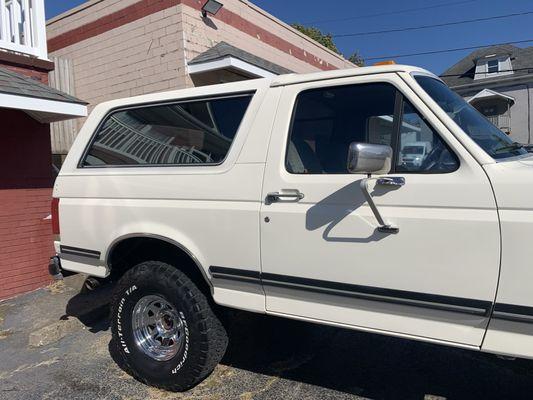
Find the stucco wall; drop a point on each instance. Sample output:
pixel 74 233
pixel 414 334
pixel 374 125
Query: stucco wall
pixel 520 130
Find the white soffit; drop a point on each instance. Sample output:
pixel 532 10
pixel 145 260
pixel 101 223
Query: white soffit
pixel 229 62
pixel 488 93
pixel 44 110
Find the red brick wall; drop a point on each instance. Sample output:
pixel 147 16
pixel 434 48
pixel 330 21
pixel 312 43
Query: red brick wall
pixel 39 76
pixel 26 240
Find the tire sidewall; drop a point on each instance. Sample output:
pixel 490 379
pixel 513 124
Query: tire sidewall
pixel 179 368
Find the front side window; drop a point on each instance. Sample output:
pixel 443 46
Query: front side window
pixel 185 133
pixel 420 147
pixel 327 120
pixel 496 143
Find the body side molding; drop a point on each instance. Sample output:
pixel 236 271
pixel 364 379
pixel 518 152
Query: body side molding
pixel 415 299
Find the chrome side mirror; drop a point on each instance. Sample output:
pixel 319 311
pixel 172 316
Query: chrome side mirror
pixel 366 158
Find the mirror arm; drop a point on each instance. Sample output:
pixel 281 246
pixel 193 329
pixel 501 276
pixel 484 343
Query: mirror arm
pixel 383 227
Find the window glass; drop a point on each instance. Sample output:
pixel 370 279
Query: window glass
pixel 496 143
pixel 420 147
pixel 493 66
pixel 327 120
pixel 196 132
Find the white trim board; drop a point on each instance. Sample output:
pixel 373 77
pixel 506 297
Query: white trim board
pixel 52 110
pixel 229 62
pixel 488 93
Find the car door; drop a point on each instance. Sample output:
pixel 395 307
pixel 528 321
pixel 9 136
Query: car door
pixel 323 255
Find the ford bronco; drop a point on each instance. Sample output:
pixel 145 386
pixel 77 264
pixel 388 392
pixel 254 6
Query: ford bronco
pixel 290 196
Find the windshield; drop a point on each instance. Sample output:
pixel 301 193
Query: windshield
pixel 496 143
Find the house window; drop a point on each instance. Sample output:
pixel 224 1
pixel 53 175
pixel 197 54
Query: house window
pixel 493 66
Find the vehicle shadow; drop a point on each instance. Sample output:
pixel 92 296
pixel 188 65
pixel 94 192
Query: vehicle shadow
pixel 371 366
pixel 91 307
pixel 333 209
pixel 351 362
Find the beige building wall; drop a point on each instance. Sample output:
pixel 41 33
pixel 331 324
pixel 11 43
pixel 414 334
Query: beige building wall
pixel 143 56
pixel 150 53
pixel 200 36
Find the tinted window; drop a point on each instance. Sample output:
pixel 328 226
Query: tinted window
pixel 421 148
pixel 496 143
pixel 327 120
pixel 196 132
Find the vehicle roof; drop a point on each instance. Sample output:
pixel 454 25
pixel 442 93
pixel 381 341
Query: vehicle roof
pixel 257 84
pixel 291 79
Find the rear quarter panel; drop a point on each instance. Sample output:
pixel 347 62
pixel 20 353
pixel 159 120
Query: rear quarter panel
pixel 211 211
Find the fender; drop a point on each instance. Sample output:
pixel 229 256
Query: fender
pixel 173 242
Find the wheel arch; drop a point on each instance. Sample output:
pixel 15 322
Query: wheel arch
pixel 136 239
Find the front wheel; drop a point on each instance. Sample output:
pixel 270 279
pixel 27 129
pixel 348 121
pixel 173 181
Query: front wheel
pixel 165 333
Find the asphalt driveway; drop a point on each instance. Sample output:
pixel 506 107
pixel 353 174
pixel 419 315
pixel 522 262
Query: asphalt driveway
pixel 54 344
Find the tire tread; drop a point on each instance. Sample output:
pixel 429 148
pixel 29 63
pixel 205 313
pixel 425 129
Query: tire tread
pixel 214 338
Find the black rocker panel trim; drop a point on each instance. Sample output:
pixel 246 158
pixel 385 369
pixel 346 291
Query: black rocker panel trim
pixel 512 312
pixel 77 251
pixel 417 299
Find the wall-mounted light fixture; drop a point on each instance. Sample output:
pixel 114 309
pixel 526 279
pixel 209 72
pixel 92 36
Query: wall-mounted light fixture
pixel 211 7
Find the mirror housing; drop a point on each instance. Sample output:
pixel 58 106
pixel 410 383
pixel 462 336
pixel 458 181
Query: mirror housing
pixel 366 158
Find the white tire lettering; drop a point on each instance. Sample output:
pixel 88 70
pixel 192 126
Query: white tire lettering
pixel 186 352
pixel 119 319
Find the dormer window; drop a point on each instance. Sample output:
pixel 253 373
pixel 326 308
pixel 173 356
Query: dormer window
pixel 493 66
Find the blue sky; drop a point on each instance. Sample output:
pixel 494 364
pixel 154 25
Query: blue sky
pixel 363 18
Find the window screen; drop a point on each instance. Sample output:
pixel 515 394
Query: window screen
pixel 185 133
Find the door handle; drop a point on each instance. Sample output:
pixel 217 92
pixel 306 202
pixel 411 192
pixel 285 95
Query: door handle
pixel 284 194
pixel 391 181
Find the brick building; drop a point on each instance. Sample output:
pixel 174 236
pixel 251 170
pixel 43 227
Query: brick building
pixel 27 107
pixel 119 48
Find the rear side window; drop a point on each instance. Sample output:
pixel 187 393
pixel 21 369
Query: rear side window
pixel 185 133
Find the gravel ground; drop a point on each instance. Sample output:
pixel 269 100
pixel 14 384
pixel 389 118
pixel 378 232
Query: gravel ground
pixel 54 344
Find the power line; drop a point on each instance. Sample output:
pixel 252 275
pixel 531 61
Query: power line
pixel 502 70
pixel 413 28
pixel 406 10
pixel 445 50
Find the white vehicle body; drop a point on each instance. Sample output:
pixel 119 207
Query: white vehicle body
pixel 456 273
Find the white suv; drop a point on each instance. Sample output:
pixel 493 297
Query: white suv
pixel 287 196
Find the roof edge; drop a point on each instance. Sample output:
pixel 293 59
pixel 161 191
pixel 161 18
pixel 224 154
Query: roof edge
pixel 293 30
pixel 72 11
pixel 291 79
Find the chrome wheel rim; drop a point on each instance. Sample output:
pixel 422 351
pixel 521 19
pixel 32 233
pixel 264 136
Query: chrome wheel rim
pixel 157 327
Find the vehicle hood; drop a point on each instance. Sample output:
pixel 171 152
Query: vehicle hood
pixel 527 160
pixel 512 182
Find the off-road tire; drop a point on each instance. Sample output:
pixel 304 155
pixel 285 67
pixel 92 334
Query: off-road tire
pixel 205 338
